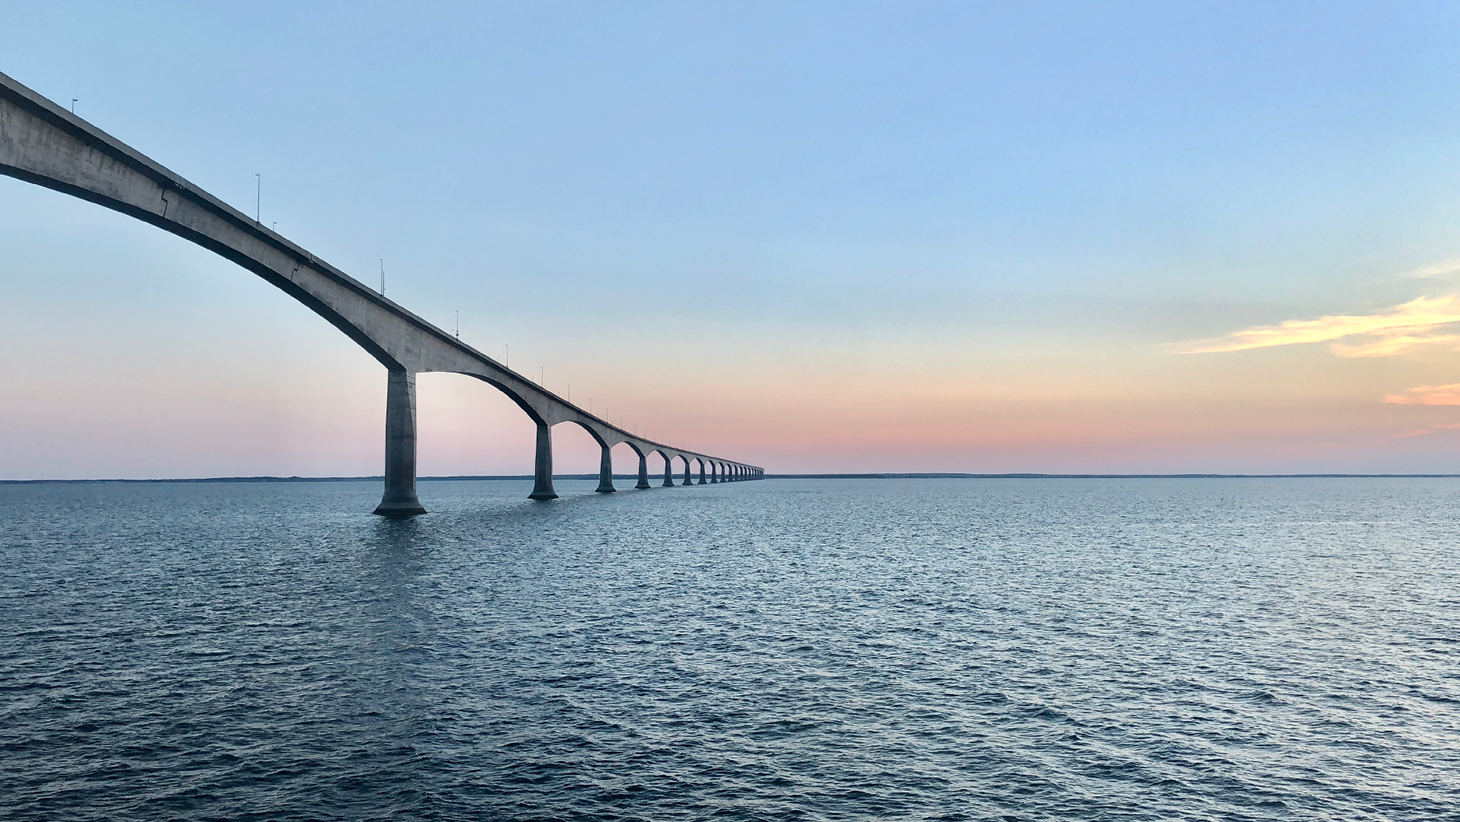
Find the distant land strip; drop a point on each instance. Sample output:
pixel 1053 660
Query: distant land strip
pixel 528 477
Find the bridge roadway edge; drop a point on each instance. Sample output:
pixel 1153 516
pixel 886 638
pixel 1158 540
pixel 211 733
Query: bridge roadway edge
pixel 46 145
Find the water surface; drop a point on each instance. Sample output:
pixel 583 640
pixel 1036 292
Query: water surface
pixel 786 649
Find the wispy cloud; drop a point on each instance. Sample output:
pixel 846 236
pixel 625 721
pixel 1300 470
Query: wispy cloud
pixel 1428 395
pixel 1393 344
pixel 1420 432
pixel 1440 269
pixel 1381 334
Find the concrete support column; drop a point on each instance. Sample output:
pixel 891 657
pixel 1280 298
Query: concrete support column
pixel 687 480
pixel 643 472
pixel 605 472
pixel 668 472
pixel 702 472
pixel 542 475
pixel 400 447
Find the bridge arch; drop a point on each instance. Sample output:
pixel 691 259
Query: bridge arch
pixel 668 479
pixel 643 456
pixel 605 453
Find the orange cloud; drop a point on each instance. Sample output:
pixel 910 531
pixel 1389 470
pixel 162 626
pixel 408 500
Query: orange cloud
pixel 1389 331
pixel 1428 395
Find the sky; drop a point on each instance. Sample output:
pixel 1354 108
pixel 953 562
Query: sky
pixel 816 236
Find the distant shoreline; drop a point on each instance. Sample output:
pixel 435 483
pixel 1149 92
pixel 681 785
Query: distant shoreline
pixel 526 477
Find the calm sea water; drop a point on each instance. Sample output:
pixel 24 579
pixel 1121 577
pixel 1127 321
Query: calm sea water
pixel 833 649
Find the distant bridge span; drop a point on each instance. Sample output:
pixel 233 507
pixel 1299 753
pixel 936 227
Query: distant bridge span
pixel 42 143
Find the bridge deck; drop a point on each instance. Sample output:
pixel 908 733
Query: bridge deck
pixel 44 144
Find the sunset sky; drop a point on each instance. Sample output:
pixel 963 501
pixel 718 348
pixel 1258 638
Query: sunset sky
pixel 818 237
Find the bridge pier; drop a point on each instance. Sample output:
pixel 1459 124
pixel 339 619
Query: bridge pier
pixel 542 484
pixel 643 473
pixel 605 472
pixel 702 472
pixel 687 480
pixel 399 499
pixel 668 472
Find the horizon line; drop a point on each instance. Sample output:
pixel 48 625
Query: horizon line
pixel 865 475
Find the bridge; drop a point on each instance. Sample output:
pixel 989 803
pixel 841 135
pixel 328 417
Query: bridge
pixel 44 144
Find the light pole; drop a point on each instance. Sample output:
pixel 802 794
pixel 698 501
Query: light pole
pixel 258 196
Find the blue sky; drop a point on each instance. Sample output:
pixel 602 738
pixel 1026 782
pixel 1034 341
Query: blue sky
pixel 875 236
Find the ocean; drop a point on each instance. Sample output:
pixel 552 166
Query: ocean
pixel 817 649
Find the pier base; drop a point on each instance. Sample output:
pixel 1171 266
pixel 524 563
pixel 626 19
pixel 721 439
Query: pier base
pixel 400 499
pixel 643 473
pixel 542 475
pixel 605 472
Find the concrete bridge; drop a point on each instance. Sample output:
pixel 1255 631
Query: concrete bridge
pixel 42 143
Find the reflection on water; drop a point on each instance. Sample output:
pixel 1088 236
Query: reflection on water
pixel 1031 649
